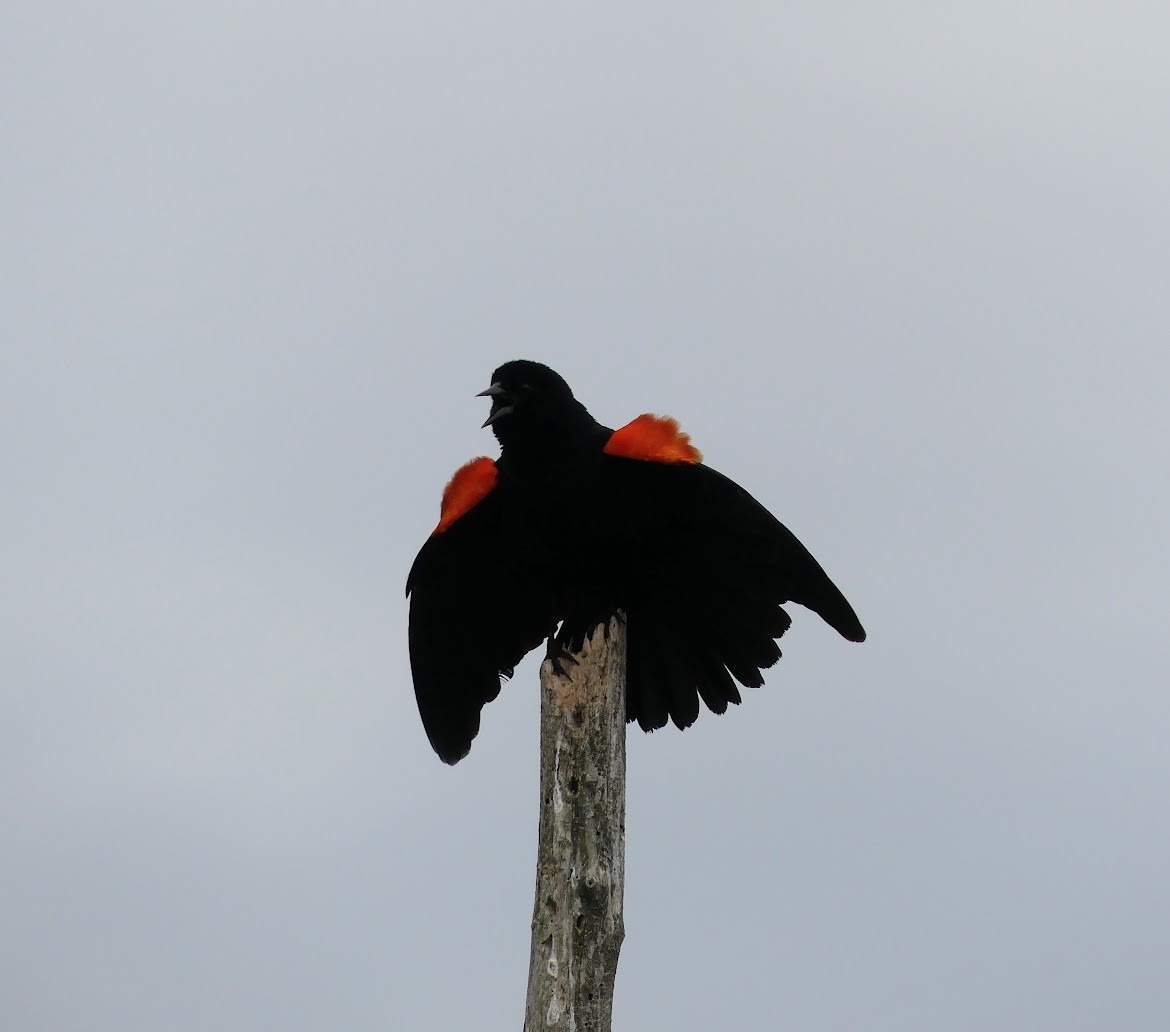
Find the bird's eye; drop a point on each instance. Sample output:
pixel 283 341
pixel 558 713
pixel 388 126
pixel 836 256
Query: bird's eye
pixel 525 387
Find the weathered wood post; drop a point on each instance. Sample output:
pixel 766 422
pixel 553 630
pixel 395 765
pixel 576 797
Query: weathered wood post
pixel 577 926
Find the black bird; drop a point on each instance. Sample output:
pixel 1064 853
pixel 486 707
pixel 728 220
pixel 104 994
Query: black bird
pixel 574 521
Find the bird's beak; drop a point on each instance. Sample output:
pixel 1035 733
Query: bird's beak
pixel 500 407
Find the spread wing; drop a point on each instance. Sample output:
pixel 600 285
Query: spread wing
pixel 712 568
pixel 476 608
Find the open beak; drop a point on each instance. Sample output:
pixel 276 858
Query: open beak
pixel 500 403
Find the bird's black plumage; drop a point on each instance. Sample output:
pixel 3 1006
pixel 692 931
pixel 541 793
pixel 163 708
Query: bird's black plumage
pixel 574 521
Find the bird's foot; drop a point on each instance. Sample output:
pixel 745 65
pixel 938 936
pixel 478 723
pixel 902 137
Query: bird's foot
pixel 557 654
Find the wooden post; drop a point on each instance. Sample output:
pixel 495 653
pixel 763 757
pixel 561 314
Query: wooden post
pixel 577 926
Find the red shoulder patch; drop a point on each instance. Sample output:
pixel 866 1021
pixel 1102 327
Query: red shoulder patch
pixel 653 439
pixel 467 488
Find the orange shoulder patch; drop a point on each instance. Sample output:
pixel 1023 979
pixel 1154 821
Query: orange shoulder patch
pixel 653 439
pixel 467 488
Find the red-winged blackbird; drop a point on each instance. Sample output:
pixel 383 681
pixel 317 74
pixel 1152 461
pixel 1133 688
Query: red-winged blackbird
pixel 574 521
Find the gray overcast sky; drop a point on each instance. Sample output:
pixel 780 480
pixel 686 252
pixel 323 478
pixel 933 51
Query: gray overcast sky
pixel 900 269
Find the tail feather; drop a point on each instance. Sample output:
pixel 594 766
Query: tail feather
pixel 683 681
pixel 647 695
pixel 673 663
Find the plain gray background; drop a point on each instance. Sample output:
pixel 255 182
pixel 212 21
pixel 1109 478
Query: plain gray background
pixel 900 269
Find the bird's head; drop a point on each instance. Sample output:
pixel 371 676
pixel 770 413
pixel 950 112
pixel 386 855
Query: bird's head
pixel 529 399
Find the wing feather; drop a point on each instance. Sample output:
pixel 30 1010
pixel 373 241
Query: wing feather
pixel 709 569
pixel 477 608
